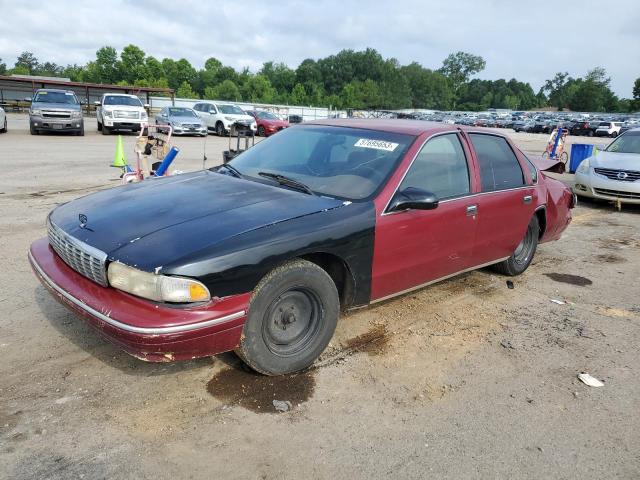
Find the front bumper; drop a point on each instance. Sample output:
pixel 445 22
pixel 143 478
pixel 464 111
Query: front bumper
pixel 55 124
pixel 189 131
pixel 147 330
pixel 592 185
pixel 124 124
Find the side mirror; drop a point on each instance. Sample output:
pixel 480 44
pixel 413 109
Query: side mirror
pixel 413 198
pixel 146 105
pixel 27 99
pixel 97 103
pixel 600 147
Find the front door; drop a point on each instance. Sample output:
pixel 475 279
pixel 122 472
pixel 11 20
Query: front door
pixel 414 247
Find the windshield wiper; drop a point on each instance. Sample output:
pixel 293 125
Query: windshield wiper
pixel 233 170
pixel 287 181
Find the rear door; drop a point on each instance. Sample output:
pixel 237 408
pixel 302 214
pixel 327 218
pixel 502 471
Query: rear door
pixel 414 247
pixel 507 200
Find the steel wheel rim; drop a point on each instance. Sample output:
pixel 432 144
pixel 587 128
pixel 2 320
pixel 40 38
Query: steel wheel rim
pixel 523 250
pixel 292 321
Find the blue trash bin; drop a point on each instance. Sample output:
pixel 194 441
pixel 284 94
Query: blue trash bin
pixel 579 151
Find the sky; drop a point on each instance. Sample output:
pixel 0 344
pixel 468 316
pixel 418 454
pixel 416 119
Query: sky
pixel 528 40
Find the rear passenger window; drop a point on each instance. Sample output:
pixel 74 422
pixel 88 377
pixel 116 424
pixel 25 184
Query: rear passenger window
pixel 499 167
pixel 440 168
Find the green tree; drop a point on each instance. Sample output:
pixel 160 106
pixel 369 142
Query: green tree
pixel 3 67
pixel 226 90
pixel 298 95
pixel 132 64
pixel 458 67
pixel 28 61
pixel 258 89
pixel 428 89
pixel 635 103
pixel 185 91
pixel 105 67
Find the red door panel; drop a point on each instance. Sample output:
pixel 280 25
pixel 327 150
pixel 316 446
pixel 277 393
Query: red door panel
pixel 417 246
pixel 503 217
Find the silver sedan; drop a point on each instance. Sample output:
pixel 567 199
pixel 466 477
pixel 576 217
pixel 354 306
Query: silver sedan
pixel 614 173
pixel 183 121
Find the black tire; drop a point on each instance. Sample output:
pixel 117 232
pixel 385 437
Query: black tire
pixel 105 130
pixel 590 133
pixel 521 258
pixel 614 134
pixel 220 129
pixel 298 295
pixel 261 131
pixel 99 127
pixel 80 132
pixel 33 130
pixel 4 128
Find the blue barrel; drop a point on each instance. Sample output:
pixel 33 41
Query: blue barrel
pixel 579 151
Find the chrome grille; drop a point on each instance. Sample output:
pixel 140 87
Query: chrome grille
pixel 55 114
pixel 621 175
pixel 126 114
pixel 83 258
pixel 617 193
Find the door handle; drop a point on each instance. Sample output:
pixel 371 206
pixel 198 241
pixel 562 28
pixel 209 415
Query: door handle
pixel 527 199
pixel 472 210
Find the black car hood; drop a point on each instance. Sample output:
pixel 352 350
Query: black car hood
pixel 158 221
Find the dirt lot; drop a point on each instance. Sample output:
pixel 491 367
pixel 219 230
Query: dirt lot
pixel 465 379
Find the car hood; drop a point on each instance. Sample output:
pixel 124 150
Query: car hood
pixel 275 123
pixel 247 118
pixel 55 106
pixel 158 221
pixel 618 161
pixel 185 119
pixel 123 107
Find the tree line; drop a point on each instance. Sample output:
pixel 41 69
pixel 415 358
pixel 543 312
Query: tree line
pixel 348 79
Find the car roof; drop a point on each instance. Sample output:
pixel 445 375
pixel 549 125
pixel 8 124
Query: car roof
pixel 59 90
pixel 391 125
pixel 119 95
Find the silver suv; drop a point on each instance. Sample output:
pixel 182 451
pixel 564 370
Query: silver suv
pixel 55 110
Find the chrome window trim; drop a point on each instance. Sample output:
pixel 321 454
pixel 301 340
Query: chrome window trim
pixel 439 279
pixel 123 326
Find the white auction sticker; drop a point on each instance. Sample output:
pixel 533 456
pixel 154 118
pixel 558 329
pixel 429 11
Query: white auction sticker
pixel 377 144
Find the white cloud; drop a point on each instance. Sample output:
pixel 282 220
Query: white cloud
pixel 518 39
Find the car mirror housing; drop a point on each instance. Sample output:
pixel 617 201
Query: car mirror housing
pixel 97 103
pixel 413 198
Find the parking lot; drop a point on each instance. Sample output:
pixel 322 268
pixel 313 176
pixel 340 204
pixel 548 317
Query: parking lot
pixel 464 379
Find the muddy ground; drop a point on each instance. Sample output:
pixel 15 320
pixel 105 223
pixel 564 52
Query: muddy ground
pixel 465 379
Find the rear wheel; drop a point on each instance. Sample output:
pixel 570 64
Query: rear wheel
pixel 523 255
pixel 292 316
pixel 614 134
pixel 590 133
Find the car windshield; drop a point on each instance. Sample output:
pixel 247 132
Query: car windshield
pixel 340 162
pixel 56 97
pixel 181 112
pixel 627 143
pixel 122 100
pixel 267 116
pixel 231 110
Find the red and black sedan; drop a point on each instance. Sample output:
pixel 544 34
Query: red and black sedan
pixel 268 123
pixel 260 255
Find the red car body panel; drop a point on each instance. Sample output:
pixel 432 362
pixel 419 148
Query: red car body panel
pixel 270 126
pixel 142 328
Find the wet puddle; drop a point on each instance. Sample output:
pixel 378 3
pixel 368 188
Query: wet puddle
pixel 570 279
pixel 256 392
pixel 373 342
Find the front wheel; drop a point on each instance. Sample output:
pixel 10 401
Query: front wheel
pixel 261 131
pixel 105 130
pixel 292 316
pixel 33 130
pixel 4 129
pixel 220 129
pixel 523 255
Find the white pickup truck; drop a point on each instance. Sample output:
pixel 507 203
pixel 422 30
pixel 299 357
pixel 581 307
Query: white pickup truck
pixel 118 111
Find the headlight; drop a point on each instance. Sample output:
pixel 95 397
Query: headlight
pixel 156 287
pixel 144 116
pixel 35 112
pixel 253 126
pixel 108 113
pixel 229 119
pixel 583 167
pixel 76 114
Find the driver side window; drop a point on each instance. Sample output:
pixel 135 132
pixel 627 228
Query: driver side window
pixel 440 168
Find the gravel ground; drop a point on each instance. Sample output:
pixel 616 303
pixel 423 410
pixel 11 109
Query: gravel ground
pixel 464 379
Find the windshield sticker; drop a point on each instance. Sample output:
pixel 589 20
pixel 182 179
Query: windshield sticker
pixel 376 144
